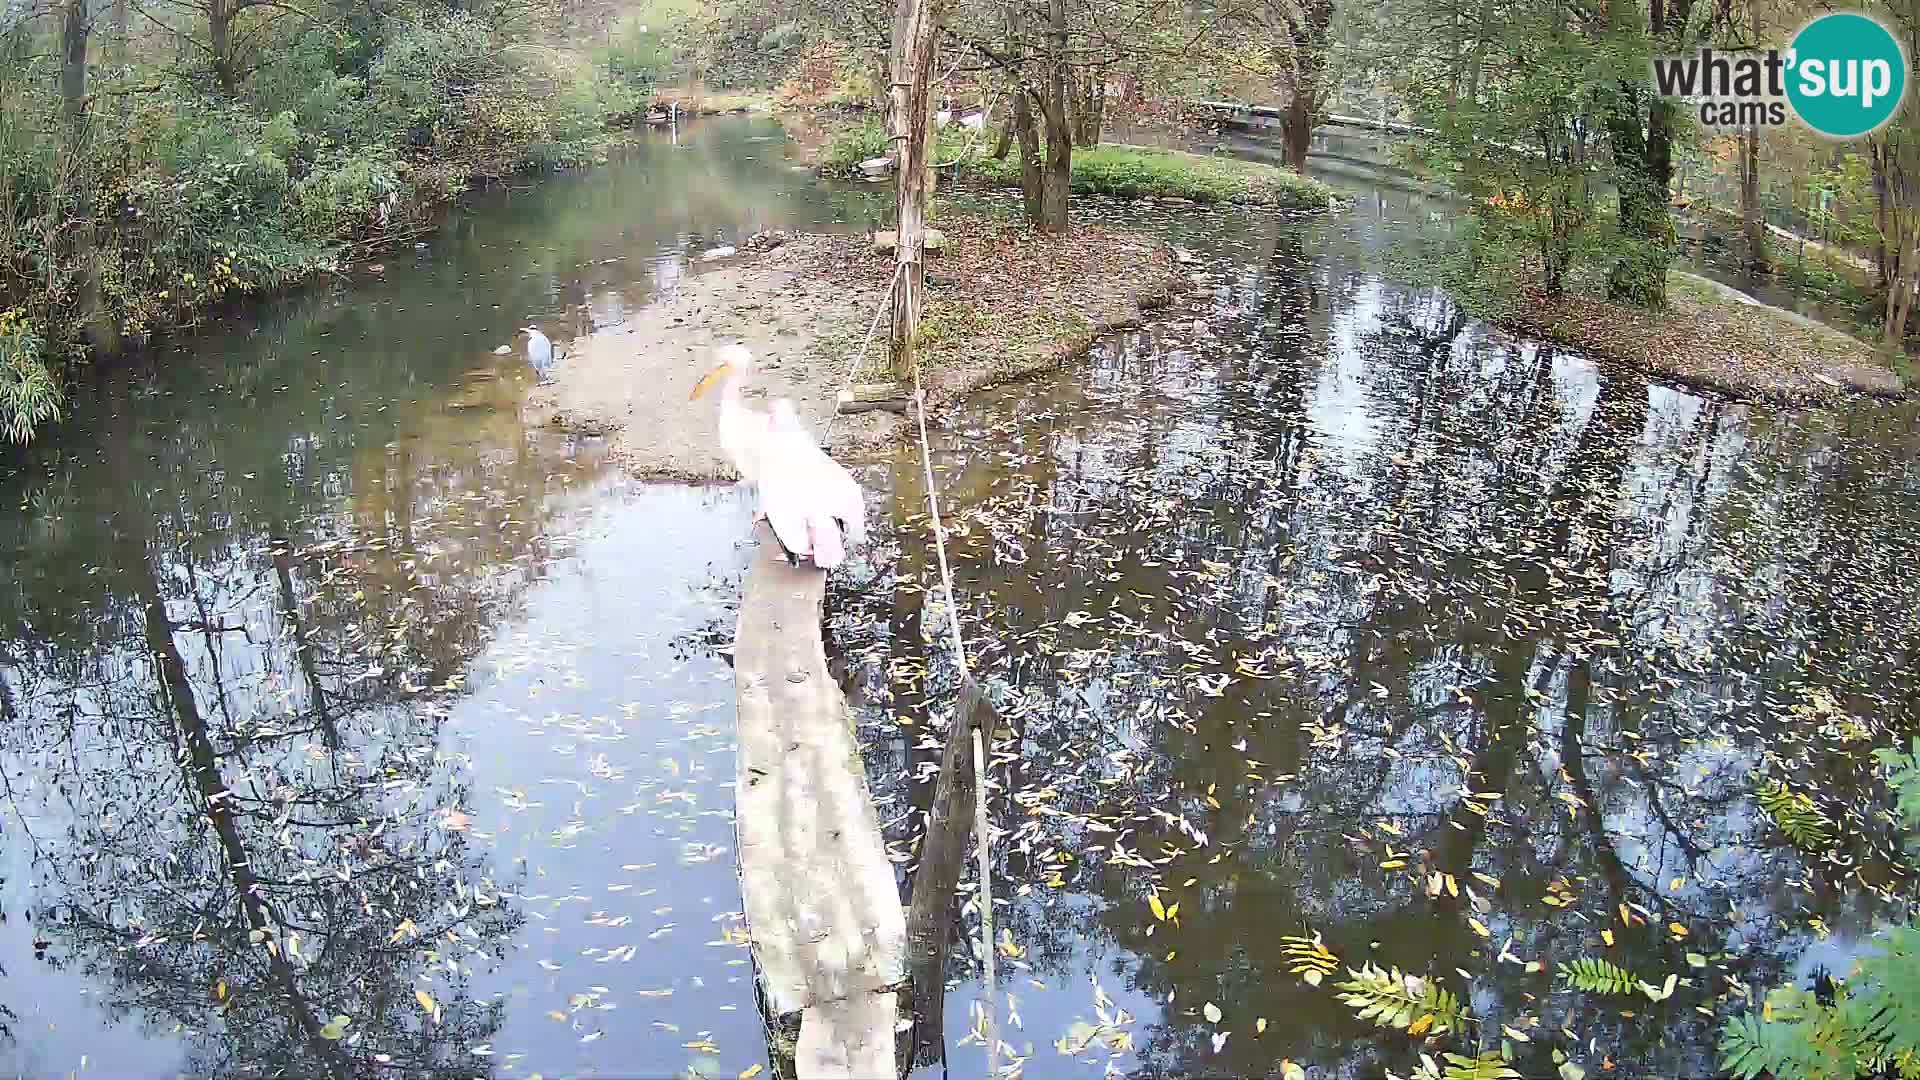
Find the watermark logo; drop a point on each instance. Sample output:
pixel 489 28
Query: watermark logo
pixel 1844 76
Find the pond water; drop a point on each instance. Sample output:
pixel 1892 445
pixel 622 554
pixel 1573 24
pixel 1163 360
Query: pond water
pixel 333 691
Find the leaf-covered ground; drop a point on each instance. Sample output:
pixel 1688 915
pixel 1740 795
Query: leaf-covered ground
pixel 1709 339
pixel 1002 300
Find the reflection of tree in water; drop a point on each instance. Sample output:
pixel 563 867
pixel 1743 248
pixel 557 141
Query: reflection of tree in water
pixel 226 671
pixel 1252 659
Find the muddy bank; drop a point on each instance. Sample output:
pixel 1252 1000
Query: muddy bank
pixel 1002 303
pixel 1714 338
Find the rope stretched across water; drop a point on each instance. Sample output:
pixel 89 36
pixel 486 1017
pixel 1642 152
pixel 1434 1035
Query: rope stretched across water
pixel 982 833
pixel 982 837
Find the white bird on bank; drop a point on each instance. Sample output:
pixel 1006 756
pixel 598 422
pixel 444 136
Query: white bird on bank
pixel 812 501
pixel 743 431
pixel 539 352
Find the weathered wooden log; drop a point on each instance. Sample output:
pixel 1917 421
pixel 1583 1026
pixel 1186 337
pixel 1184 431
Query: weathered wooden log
pixel 867 397
pixel 823 912
pixel 930 918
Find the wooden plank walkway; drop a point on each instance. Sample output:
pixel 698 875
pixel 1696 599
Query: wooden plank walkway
pixel 823 910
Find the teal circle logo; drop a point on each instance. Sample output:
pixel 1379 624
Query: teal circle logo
pixel 1846 75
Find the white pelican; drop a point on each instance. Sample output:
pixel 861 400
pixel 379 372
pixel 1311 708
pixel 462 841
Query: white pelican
pixel 539 352
pixel 812 501
pixel 743 431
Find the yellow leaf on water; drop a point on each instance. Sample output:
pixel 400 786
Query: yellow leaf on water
pixel 1260 1026
pixel 1607 936
pixel 1678 930
pixel 1313 976
pixel 1211 1012
pixel 426 1002
pixel 1173 912
pixel 1290 1070
pixel 1479 927
pixel 1514 1035
pixel 750 1072
pixel 1159 911
pixel 220 990
pixel 1419 1027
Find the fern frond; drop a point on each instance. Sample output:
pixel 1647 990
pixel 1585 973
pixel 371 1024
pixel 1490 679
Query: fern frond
pixel 1488 1066
pixel 1750 1048
pixel 1804 824
pixel 1309 957
pixel 1393 999
pixel 1903 775
pixel 1887 993
pixel 1597 976
pixel 1796 1036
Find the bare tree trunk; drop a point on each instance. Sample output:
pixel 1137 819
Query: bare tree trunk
pixel 1053 110
pixel 1032 180
pixel 1751 223
pixel 76 244
pixel 1309 39
pixel 73 62
pixel 1298 131
pixel 1004 143
pixel 910 117
pixel 220 44
pixel 1900 296
pixel 121 35
pixel 1886 258
pixel 1089 105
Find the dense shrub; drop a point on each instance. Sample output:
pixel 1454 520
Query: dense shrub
pixel 145 213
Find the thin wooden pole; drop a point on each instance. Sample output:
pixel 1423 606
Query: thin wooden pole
pixel 910 121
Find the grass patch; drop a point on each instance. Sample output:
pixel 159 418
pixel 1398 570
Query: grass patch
pixel 1135 171
pixel 1129 172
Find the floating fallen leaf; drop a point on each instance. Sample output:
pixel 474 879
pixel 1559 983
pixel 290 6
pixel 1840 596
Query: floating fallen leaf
pixel 1211 1012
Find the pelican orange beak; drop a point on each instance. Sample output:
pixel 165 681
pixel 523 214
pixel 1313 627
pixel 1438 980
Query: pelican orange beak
pixel 707 380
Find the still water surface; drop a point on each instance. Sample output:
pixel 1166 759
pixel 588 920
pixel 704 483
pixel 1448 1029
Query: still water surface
pixel 332 690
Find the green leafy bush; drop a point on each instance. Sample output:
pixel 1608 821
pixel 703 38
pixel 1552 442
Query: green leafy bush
pixel 29 394
pixel 171 194
pixel 1871 1025
pixel 852 146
